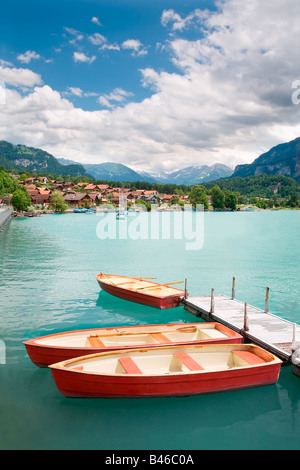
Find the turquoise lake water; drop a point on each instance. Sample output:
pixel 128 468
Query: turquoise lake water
pixel 47 284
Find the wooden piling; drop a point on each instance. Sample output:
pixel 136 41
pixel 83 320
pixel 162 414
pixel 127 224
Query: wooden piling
pixel 233 288
pixel 185 289
pixel 212 302
pixel 267 300
pixel 246 326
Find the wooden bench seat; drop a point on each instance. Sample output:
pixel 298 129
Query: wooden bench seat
pixel 188 361
pixel 162 339
pixel 95 342
pixel 129 365
pixel 249 357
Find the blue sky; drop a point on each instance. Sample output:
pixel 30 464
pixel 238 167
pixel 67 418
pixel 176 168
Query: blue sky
pixel 97 46
pixel 156 85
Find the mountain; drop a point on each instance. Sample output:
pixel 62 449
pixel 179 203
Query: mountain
pixel 284 159
pixel 22 158
pixel 199 174
pixel 191 175
pixel 113 172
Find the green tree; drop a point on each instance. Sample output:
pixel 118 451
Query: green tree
pixel 20 200
pixel 57 202
pixel 198 196
pixel 230 200
pixel 218 198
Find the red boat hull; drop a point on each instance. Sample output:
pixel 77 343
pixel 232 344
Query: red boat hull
pixel 162 303
pixel 43 355
pixel 75 384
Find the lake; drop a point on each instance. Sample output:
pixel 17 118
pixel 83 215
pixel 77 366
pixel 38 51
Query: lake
pixel 48 267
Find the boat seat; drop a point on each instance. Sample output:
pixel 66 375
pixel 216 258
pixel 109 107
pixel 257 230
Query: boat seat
pixel 249 357
pixel 162 339
pixel 129 365
pixel 188 361
pixel 96 342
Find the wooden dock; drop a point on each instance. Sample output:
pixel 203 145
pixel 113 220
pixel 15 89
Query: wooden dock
pixel 260 327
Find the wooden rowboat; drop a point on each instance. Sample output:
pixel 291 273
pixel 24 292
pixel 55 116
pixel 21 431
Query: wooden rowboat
pixel 49 349
pixel 172 371
pixel 141 290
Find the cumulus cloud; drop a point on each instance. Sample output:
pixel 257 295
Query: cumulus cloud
pixel 229 100
pixel 19 77
pixel 81 57
pixel 95 20
pixel 173 20
pixel 28 56
pixel 97 39
pixel 135 46
pixel 117 95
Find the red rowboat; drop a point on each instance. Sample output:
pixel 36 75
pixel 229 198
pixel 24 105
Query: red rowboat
pixel 58 347
pixel 172 371
pixel 142 291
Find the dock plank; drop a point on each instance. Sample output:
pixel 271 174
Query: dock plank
pixel 265 329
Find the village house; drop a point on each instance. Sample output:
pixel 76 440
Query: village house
pixel 77 199
pixel 167 198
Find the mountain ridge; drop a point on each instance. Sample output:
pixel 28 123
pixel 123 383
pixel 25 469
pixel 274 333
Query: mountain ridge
pixel 283 159
pixel 21 158
pixel 196 174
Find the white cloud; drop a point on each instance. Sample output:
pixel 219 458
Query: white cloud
pixel 95 20
pixel 177 23
pixel 118 94
pixel 97 39
pixel 28 56
pixel 136 46
pixel 75 91
pixel 110 47
pixel 19 77
pixel 5 63
pixel 81 57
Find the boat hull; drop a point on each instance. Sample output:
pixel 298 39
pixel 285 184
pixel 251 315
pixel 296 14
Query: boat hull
pixel 74 383
pixel 43 354
pixel 169 301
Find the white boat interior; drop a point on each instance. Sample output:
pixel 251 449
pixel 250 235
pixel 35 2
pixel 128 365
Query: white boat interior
pixel 176 360
pixel 140 285
pixel 140 335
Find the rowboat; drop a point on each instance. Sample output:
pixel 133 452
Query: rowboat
pixel 141 290
pixel 57 347
pixel 171 371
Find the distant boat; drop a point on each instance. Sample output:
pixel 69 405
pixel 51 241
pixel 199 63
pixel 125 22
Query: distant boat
pixel 171 371
pixel 121 215
pixel 57 347
pixel 80 210
pixel 140 290
pixel 91 210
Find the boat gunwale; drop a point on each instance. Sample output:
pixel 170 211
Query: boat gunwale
pixel 34 341
pixel 179 294
pixel 61 366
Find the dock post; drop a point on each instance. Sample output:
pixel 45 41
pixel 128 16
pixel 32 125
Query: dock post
pixel 246 327
pixel 212 302
pixel 267 300
pixel 233 289
pixel 185 289
pixel 294 342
